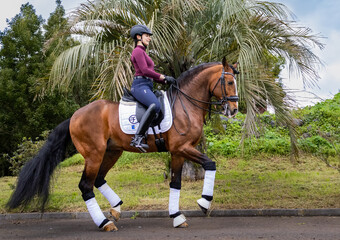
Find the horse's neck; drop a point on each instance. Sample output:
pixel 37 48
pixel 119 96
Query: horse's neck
pixel 198 89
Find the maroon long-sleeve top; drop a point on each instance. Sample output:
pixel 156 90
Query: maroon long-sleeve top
pixel 144 66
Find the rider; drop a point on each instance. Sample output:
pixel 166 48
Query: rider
pixel 142 83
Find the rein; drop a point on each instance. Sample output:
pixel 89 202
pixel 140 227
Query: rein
pixel 195 101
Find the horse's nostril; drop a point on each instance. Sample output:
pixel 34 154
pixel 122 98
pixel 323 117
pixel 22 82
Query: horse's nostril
pixel 234 111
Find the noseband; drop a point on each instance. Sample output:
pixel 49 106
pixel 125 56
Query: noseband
pixel 225 98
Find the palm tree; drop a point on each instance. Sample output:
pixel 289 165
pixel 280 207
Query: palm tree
pixel 186 33
pixel 105 50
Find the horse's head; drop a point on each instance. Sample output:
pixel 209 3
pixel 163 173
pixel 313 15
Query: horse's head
pixel 225 89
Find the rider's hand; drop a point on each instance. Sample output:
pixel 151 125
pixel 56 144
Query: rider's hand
pixel 170 80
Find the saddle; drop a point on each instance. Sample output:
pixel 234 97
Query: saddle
pixel 141 109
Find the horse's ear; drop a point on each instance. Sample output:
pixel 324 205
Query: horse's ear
pixel 224 62
pixel 234 66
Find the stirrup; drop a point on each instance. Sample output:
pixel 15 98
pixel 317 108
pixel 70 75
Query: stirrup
pixel 137 142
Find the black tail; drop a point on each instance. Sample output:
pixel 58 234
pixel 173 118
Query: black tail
pixel 34 178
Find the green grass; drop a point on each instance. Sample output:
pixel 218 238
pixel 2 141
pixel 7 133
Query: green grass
pixel 261 182
pixel 76 159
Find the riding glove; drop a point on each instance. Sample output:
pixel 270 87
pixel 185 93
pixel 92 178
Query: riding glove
pixel 170 80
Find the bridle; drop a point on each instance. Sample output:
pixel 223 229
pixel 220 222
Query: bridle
pixel 225 98
pixel 195 101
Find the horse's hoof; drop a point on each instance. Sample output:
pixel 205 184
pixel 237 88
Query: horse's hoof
pixel 115 214
pixel 183 225
pixel 110 227
pixel 180 222
pixel 204 210
pixel 204 205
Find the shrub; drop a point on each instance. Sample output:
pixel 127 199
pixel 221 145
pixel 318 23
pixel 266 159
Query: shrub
pixel 317 144
pixel 324 117
pixel 4 165
pixel 26 151
pixel 224 147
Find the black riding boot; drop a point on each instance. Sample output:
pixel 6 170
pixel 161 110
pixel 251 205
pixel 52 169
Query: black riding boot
pixel 144 125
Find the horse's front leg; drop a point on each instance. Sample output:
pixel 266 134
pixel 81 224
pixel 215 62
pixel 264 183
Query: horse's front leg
pixel 209 166
pixel 175 189
pixel 208 186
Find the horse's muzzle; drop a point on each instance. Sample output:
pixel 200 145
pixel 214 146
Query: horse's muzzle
pixel 228 111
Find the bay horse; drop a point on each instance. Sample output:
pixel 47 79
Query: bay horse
pixel 95 132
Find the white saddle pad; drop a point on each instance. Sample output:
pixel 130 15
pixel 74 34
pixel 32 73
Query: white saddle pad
pixel 128 120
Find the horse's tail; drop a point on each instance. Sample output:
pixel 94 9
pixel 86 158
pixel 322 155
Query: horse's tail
pixel 34 178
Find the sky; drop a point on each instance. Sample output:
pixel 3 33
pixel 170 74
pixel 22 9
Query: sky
pixel 322 16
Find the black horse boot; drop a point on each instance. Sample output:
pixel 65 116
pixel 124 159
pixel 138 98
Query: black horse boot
pixel 143 127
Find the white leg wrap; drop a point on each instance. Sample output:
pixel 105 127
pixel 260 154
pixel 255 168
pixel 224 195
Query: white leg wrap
pixel 174 201
pixel 95 212
pixel 117 208
pixel 209 180
pixel 179 220
pixel 109 222
pixel 204 203
pixel 110 195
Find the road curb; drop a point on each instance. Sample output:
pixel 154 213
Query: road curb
pixel 187 213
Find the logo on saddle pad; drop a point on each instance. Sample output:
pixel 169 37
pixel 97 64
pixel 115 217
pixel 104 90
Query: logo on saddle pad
pixel 133 119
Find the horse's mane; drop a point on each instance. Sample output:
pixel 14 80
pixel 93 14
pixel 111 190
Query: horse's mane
pixel 186 76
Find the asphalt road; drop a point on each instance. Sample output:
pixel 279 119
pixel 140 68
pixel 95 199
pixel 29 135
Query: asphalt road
pixel 161 228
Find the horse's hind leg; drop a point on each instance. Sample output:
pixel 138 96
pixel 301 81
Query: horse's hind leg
pixel 93 162
pixel 110 158
pixel 175 188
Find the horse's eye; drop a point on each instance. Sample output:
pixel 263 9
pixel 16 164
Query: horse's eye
pixel 230 83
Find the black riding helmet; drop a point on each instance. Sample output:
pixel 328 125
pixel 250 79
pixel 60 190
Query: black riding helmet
pixel 139 30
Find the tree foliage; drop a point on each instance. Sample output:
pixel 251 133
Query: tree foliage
pixel 24 70
pixel 20 59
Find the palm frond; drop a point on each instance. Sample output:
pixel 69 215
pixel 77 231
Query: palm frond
pixel 115 72
pixel 74 62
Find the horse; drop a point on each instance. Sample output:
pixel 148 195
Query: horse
pixel 95 132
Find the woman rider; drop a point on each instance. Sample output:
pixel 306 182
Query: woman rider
pixel 142 83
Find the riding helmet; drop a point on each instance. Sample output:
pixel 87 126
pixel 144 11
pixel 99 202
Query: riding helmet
pixel 139 30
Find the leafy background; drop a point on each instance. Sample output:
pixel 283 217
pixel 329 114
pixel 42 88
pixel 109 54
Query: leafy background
pixel 45 74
